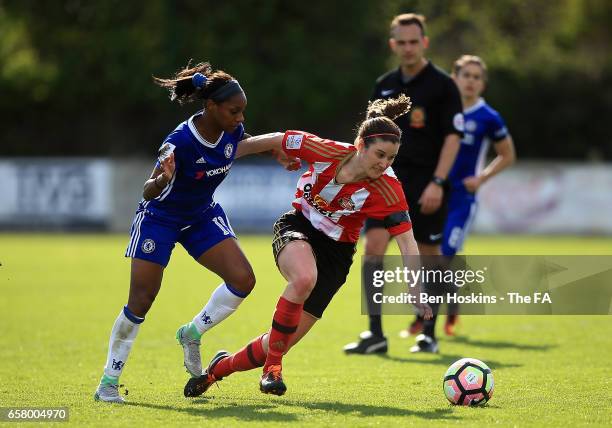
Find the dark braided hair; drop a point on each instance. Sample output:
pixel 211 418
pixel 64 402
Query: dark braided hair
pixel 182 88
pixel 379 119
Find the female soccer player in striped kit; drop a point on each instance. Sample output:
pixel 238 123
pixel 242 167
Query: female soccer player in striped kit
pixel 314 244
pixel 178 206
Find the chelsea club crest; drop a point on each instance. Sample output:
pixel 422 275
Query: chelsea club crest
pixel 148 246
pixel 229 149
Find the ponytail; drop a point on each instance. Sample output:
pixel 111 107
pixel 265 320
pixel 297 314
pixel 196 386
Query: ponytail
pixel 379 119
pixel 199 82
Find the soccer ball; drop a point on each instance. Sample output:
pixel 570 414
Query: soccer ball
pixel 468 382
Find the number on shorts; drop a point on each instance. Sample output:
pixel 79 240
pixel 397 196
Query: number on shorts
pixel 221 225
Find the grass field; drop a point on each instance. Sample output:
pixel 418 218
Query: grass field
pixel 61 294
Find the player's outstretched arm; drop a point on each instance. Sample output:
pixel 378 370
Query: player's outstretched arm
pixel 410 252
pixel 271 144
pixel 259 144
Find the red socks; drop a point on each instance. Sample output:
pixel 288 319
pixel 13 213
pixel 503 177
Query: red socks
pixel 249 357
pixel 284 324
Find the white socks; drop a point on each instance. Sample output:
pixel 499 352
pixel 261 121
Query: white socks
pixel 121 340
pixel 223 302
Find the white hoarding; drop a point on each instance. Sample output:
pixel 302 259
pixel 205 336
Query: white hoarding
pixel 55 192
pixel 547 198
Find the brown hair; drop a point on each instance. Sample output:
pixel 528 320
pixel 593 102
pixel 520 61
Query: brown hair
pixel 408 19
pixel 470 59
pixel 379 119
pixel 182 88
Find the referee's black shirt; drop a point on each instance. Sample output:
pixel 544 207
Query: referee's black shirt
pixel 436 112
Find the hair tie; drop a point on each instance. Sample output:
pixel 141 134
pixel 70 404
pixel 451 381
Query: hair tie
pixel 380 135
pixel 198 80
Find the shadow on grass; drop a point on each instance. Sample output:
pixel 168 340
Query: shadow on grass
pixel 501 344
pixel 268 411
pixel 247 412
pixel 363 410
pixel 444 360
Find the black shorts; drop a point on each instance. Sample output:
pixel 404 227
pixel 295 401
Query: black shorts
pixel 334 259
pixel 427 229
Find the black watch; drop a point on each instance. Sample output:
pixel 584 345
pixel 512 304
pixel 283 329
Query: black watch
pixel 438 180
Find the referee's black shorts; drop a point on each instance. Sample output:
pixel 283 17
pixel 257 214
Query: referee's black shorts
pixel 334 259
pixel 427 229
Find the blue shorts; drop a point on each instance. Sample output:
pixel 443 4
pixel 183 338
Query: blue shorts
pixel 153 239
pixel 461 213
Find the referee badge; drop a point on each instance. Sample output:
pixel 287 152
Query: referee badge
pixel 417 117
pixel 458 122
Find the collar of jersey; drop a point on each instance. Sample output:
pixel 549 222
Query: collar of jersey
pixel 400 79
pixel 475 107
pixel 199 137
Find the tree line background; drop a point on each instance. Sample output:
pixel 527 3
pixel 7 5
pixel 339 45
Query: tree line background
pixel 75 75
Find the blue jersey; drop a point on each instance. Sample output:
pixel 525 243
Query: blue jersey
pixel 200 167
pixel 482 125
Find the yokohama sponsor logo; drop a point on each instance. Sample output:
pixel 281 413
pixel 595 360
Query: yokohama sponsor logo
pixel 218 171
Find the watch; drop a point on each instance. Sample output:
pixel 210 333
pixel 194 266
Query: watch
pixel 438 180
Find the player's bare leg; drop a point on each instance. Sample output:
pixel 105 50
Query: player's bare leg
pixel 297 264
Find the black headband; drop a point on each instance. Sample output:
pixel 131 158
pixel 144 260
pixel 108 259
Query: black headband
pixel 226 91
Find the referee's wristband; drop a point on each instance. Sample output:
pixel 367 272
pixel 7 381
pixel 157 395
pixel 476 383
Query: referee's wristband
pixel 438 180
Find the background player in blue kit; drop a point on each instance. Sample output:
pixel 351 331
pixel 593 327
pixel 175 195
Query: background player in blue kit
pixel 482 126
pixel 178 206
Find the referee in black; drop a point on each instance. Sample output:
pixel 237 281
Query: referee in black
pixel 431 134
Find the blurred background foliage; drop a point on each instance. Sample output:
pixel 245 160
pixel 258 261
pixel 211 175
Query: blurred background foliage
pixel 75 75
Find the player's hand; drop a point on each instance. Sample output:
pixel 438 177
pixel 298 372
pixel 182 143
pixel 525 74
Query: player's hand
pixel 290 163
pixel 424 310
pixel 472 183
pixel 431 198
pixel 168 166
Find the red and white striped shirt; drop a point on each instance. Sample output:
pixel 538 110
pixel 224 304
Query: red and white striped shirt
pixel 340 210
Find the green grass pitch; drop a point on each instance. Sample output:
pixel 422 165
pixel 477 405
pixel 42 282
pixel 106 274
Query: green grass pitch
pixel 61 294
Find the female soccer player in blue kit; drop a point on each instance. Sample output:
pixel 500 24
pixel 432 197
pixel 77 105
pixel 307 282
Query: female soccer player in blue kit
pixel 178 206
pixel 482 126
